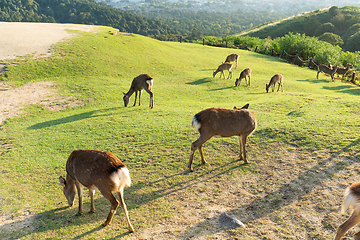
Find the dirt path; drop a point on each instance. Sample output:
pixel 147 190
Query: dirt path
pixel 21 39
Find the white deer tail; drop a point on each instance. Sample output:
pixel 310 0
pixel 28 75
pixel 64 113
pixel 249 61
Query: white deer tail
pixel 195 122
pixel 125 175
pixel 350 201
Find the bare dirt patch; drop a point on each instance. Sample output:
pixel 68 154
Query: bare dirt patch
pixel 290 195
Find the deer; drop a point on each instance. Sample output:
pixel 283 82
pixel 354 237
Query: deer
pixel 225 123
pixel 245 73
pixel 277 78
pixel 139 83
pixel 343 71
pixel 222 67
pixel 352 200
pixel 233 58
pixel 326 69
pixel 100 170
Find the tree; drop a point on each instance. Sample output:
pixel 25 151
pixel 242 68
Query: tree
pixel 331 38
pixel 325 27
pixel 353 43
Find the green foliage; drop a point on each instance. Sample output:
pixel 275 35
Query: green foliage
pixel 353 43
pixel 332 38
pixel 343 22
pixel 325 27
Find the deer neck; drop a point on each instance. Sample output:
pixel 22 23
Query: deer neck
pixel 130 92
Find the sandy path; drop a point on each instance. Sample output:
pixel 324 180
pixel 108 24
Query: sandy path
pixel 20 39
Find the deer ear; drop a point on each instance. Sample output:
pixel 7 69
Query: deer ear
pixel 234 107
pixel 62 181
pixel 246 106
pixel 124 93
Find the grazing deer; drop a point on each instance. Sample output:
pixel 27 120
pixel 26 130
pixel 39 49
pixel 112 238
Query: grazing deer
pixel 96 170
pixel 245 73
pixel 325 69
pixel 352 200
pixel 343 71
pixel 277 78
pixel 143 81
pixel 225 123
pixel 222 67
pixel 233 58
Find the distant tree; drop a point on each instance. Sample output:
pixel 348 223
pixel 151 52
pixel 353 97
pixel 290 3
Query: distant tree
pixel 325 27
pixel 311 26
pixel 351 31
pixel 353 43
pixel 331 38
pixel 334 11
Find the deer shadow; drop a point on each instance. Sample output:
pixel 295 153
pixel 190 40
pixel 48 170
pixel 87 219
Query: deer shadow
pixel 199 81
pixel 286 194
pixel 62 217
pixel 344 89
pixel 74 118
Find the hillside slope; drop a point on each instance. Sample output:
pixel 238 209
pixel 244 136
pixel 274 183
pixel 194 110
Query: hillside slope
pixel 302 155
pixel 339 26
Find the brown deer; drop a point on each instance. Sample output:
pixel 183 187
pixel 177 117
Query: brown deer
pixel 143 81
pixel 277 78
pixel 96 170
pixel 326 69
pixel 222 67
pixel 343 71
pixel 245 73
pixel 352 200
pixel 233 58
pixel 225 123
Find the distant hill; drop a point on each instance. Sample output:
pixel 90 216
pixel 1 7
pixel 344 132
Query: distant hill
pixel 338 26
pixel 81 12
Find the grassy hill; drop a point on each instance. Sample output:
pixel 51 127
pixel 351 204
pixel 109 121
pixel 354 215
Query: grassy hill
pixel 303 153
pixel 339 26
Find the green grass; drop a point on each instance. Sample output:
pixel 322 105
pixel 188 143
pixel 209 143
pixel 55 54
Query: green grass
pixel 154 143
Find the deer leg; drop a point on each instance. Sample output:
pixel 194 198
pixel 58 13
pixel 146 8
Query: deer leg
pixel 230 74
pixel 279 87
pixel 140 92
pixel 242 140
pixel 357 236
pixel 199 142
pixel 151 97
pixel 114 204
pixel 249 80
pixel 123 205
pixel 92 207
pixel 343 228
pixel 222 73
pixel 136 92
pixel 202 154
pixel 80 193
pixel 317 75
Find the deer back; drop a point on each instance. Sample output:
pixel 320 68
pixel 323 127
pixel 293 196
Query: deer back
pixel 98 169
pixel 246 72
pixel 225 122
pixel 232 57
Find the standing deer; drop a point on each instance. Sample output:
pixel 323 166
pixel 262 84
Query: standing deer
pixel 325 69
pixel 222 67
pixel 277 78
pixel 343 71
pixel 233 58
pixel 245 73
pixel 143 81
pixel 225 123
pixel 352 200
pixel 96 170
